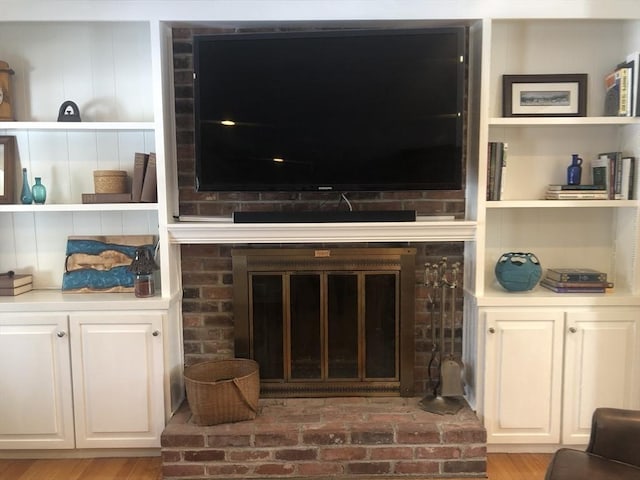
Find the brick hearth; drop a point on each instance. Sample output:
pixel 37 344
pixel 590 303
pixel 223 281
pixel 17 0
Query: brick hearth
pixel 374 437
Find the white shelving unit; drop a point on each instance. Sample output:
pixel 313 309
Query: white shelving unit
pixel 537 324
pixel 113 70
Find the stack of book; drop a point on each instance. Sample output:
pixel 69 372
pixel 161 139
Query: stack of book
pixel 616 173
pixel 14 284
pixel 575 280
pixel 576 192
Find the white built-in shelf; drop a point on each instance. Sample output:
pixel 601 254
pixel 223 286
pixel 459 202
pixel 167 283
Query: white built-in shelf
pixel 79 207
pixel 569 121
pixel 56 301
pixel 227 232
pixel 68 126
pixel 562 204
pixel 494 296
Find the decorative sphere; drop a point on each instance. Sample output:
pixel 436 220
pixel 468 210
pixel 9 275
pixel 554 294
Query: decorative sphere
pixel 518 272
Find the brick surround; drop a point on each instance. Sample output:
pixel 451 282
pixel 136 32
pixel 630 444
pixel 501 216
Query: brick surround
pixel 376 437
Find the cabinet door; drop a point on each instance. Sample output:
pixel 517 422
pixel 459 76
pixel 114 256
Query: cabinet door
pixel 35 382
pixel 522 376
pixel 601 367
pixel 117 379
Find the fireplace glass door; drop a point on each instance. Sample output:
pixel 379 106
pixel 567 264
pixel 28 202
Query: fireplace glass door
pixel 322 330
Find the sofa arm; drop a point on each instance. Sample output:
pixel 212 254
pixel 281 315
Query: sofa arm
pixel 615 434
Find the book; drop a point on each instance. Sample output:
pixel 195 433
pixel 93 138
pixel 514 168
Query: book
pixel 592 284
pixel 633 60
pixel 628 172
pixel 576 275
pixel 12 292
pixel 149 185
pixel 600 168
pixel 586 187
pixel 106 198
pixel 577 195
pixel 572 289
pixel 614 172
pixel 618 85
pixel 10 280
pixel 139 167
pixel 496 170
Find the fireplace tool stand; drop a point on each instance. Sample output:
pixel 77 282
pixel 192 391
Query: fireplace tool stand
pixel 446 388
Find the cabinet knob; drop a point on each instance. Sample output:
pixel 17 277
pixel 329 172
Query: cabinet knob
pixel 573 329
pixel 156 333
pixel 61 333
pixel 492 330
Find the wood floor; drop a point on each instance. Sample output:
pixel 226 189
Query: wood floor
pixel 500 466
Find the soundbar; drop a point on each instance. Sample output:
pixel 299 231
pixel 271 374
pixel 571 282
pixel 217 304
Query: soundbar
pixel 325 217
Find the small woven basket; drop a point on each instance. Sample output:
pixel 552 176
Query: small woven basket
pixel 110 181
pixel 222 391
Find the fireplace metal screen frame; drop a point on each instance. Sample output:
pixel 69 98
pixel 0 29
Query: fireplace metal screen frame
pixel 249 261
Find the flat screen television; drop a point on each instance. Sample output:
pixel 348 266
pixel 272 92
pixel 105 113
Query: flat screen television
pixel 346 110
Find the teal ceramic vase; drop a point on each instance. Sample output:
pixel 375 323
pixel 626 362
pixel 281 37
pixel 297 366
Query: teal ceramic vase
pixel 25 195
pixel 39 192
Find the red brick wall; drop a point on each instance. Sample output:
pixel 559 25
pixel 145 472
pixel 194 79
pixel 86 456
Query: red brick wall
pixel 206 269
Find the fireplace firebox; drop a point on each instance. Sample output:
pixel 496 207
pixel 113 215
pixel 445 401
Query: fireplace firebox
pixel 327 322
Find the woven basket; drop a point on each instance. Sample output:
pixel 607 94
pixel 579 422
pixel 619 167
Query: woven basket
pixel 110 181
pixel 223 391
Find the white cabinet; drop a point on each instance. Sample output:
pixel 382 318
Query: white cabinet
pixel 113 364
pixel 117 379
pixel 35 382
pixel 547 369
pixel 523 374
pixel 602 358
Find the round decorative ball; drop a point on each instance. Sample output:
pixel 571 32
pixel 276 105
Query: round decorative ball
pixel 517 271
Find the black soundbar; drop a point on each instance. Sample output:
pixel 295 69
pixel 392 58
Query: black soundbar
pixel 325 217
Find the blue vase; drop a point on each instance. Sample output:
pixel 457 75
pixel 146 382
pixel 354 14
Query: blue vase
pixel 39 192
pixel 574 171
pixel 25 195
pixel 518 272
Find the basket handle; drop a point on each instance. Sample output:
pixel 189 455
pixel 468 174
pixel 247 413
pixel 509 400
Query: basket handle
pixel 254 408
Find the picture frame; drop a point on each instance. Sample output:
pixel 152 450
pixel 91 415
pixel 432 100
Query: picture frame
pixel 544 95
pixel 7 168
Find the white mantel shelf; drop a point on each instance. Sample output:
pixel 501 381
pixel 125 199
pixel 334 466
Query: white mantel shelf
pixel 227 232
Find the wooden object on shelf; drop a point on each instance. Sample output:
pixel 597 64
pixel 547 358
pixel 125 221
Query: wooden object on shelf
pixel 150 185
pixel 5 91
pixel 11 280
pixel 106 198
pixel 12 292
pixel 100 263
pixel 139 167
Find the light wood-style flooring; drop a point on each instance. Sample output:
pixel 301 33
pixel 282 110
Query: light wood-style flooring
pixel 500 466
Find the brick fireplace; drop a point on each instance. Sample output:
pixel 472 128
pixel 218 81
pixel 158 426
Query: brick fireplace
pixel 308 437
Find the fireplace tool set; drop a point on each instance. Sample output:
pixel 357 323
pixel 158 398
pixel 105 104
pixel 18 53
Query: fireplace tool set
pixel 445 387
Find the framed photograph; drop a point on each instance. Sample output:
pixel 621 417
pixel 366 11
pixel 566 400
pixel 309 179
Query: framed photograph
pixel 7 168
pixel 544 95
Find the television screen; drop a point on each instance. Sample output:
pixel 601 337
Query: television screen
pixel 348 110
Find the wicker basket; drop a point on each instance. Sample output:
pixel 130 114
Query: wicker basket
pixel 223 391
pixel 110 181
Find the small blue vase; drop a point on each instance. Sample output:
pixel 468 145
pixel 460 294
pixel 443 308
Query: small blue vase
pixel 518 272
pixel 39 192
pixel 574 171
pixel 25 195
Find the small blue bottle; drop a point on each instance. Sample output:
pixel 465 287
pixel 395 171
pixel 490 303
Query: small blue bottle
pixel 25 196
pixel 574 171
